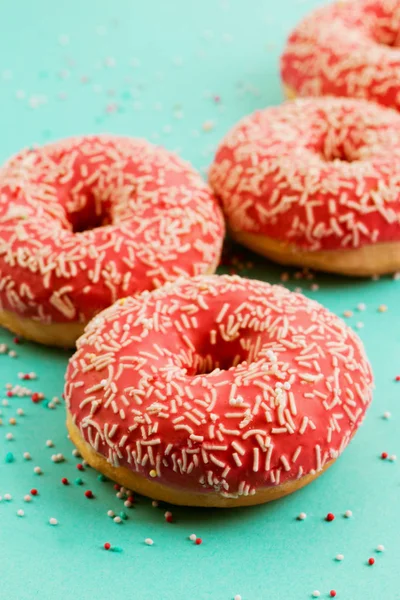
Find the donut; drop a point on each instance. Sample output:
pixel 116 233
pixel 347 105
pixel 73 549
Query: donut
pixel 346 49
pixel 87 220
pixel 315 183
pixel 216 391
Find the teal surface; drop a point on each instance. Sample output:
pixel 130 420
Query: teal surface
pixel 180 73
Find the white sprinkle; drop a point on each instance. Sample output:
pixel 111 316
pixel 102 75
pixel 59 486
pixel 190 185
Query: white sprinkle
pixel 27 456
pixel 348 514
pixel 339 556
pixel 154 503
pixel 20 512
pixel 53 521
pixel 238 597
pixel 75 452
pixel 148 541
pixel 192 537
pixel 387 415
pixel 27 498
pixel 20 412
pixel 379 548
pixel 128 504
pixel 361 306
pixel 37 470
pixel 7 497
pixel 110 513
pixel 359 325
pixel 302 516
pixel 49 444
pixel 117 519
pixel 316 594
pixel 9 436
pixel 393 457
pixel 5 402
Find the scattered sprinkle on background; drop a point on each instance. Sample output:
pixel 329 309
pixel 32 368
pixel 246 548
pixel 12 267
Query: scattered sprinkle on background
pixel 179 73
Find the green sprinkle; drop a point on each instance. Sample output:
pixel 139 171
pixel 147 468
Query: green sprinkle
pixel 123 515
pixel 9 457
pixel 79 481
pixel 101 477
pixel 116 549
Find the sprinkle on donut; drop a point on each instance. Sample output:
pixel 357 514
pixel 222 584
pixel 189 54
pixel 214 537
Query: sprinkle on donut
pixel 88 220
pixel 320 174
pixel 221 385
pixel 346 49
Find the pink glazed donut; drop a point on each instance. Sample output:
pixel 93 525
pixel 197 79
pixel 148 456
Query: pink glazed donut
pixel 315 183
pixel 88 220
pixel 349 48
pixel 216 391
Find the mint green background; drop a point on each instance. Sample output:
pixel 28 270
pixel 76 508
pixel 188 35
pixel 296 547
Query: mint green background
pixel 170 58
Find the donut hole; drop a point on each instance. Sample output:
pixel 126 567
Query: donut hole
pixel 224 355
pixel 88 215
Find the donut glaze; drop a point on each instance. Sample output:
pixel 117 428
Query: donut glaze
pixel 88 220
pixel 317 173
pixel 218 385
pixel 346 49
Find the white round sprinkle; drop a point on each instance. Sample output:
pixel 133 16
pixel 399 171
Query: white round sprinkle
pixel 120 495
pixel 75 452
pixel 387 415
pixel 148 541
pixel 127 504
pixel 20 412
pixel 316 594
pixel 167 514
pixel 193 537
pixel 27 456
pixel 85 463
pixel 379 548
pixel 393 457
pixel 49 444
pixel 110 513
pixel 238 597
pixel 9 436
pixel 302 516
pixel 53 521
pixel 348 514
pixel 361 306
pixel 7 497
pixel 5 402
pixel 339 556
pixel 154 503
pixel 27 498
pixel 37 470
pixel 20 512
pixel 359 324
pixel 117 519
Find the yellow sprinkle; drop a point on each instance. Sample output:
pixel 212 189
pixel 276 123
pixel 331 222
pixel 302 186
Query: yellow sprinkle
pixel 153 473
pixel 122 301
pixel 12 421
pixel 382 308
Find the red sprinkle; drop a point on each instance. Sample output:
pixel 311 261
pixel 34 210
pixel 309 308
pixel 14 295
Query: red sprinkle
pixel 80 467
pixel 9 394
pixel 89 494
pixel 34 492
pixel 35 397
pixel 330 517
pixel 384 455
pixel 198 541
pixel 397 377
pixel 64 481
pixel 107 546
pixel 333 593
pixel 27 376
pixel 168 518
pixel 16 340
pixel 117 487
pixel 371 561
pixel 131 499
